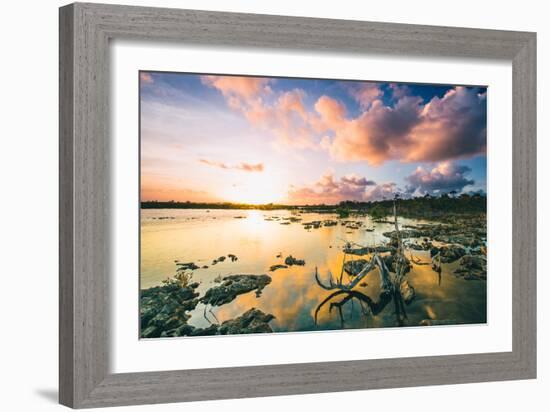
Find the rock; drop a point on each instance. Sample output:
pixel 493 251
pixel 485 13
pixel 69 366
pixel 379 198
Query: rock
pixel 218 260
pixel 151 332
pixel 163 309
pixel 316 224
pixel 405 233
pixel 252 321
pixel 187 266
pixel 436 322
pixel 353 267
pixel 426 244
pixel 290 260
pixel 209 331
pixel 273 268
pixel 183 330
pixel 367 250
pixel 472 267
pixel 391 262
pixel 449 253
pixel 235 285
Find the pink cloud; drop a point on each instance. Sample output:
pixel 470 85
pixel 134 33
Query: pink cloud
pixel 450 127
pixel 399 90
pixel 283 114
pixel 408 130
pixel 453 126
pixel 443 178
pixel 366 93
pixel 332 114
pixel 246 167
pixel 378 134
pixel 238 87
pixel 145 78
pixel 382 191
pixel 329 189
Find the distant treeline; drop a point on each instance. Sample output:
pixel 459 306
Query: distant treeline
pixel 426 206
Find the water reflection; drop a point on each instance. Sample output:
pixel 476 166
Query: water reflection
pixel 261 239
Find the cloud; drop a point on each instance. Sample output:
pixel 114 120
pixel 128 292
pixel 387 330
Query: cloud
pixel 450 127
pixel 407 129
pixel 286 117
pixel 382 191
pixel 454 126
pixel 354 180
pixel 238 87
pixel 399 90
pixel 331 114
pixel 443 178
pixel 146 78
pixel 245 167
pixel 282 114
pixel 366 93
pixel 329 189
pixel 378 134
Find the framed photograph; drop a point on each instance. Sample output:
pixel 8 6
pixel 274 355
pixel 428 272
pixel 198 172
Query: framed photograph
pixel 257 205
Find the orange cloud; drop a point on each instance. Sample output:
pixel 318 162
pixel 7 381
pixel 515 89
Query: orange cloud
pixel 283 115
pixel 238 86
pixel 246 167
pixel 329 189
pixel 377 135
pixel 450 127
pixel 408 130
pixel 163 188
pixel 145 78
pixel 453 126
pixel 366 93
pixel 332 113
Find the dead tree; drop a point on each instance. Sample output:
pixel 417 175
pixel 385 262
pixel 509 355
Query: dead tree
pixel 393 285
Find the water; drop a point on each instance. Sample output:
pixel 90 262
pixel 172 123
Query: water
pixel 293 295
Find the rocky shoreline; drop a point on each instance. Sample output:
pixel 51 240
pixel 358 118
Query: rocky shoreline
pixel 164 310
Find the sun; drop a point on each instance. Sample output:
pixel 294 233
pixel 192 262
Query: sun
pixel 255 191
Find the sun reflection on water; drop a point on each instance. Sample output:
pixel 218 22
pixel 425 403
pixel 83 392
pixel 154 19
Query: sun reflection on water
pixel 262 238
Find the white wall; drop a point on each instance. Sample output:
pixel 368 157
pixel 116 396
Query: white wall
pixel 28 166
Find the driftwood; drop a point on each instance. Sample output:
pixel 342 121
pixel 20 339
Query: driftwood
pixel 375 262
pixel 436 262
pixel 393 285
pixel 417 261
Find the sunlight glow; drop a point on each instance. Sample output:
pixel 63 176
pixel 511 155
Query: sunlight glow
pixel 255 190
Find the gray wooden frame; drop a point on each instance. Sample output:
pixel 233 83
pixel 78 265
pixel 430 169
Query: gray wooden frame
pixel 85 31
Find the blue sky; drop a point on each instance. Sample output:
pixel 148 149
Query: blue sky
pixel 306 141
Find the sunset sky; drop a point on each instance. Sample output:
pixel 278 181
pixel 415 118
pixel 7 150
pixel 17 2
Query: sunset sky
pixel 305 141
